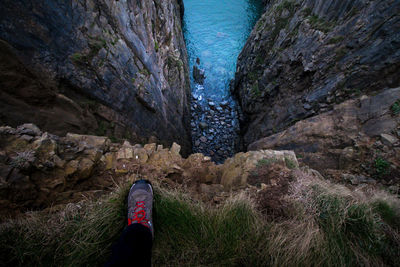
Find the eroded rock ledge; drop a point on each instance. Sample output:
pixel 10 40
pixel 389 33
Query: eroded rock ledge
pixel 116 68
pixel 40 170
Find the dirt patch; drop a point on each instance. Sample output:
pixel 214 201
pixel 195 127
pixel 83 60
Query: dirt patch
pixel 274 180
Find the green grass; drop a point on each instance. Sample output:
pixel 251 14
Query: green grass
pixel 156 46
pixel 289 5
pixel 145 72
pixel 81 235
pixel 307 11
pixel 78 58
pixel 327 225
pixel 395 108
pixel 256 90
pixel 290 163
pixel 335 40
pixel 382 167
pixel 265 162
pixel 191 234
pixel 320 24
pixel 387 213
pixel 340 53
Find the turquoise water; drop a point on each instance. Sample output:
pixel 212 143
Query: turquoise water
pixel 215 32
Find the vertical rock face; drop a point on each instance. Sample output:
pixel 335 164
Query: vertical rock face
pixel 102 67
pixel 305 56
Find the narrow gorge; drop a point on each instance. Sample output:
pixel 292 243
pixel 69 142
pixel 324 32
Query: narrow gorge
pixel 215 33
pixel 288 108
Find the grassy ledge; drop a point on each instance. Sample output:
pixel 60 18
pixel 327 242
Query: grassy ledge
pixel 325 224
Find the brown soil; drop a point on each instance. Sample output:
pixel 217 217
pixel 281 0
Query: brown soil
pixel 270 200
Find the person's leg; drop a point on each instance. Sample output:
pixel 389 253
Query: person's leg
pixel 134 246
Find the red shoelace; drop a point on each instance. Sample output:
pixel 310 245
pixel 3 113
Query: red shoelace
pixel 139 215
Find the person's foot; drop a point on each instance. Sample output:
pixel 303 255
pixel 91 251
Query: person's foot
pixel 140 204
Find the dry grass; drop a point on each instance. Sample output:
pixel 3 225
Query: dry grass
pixel 334 226
pixel 327 225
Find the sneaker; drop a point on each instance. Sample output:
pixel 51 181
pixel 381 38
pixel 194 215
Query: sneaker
pixel 140 204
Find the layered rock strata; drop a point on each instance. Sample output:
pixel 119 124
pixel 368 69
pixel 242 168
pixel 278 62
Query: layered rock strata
pixel 305 56
pixel 317 77
pixel 359 137
pixel 116 68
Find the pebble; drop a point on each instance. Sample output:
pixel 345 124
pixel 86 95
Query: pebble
pixel 224 104
pixel 307 106
pixel 203 125
pixel 388 139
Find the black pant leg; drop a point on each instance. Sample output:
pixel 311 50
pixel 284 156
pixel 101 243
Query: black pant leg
pixel 133 247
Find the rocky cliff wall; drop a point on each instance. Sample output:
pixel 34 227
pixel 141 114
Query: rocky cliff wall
pixel 116 68
pixel 305 56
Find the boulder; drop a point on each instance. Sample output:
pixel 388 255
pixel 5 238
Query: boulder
pixel 198 74
pixel 126 151
pixel 141 155
pixel 357 179
pixel 108 160
pixel 388 139
pixel 29 129
pixel 71 167
pixel 203 125
pixel 175 149
pixel 85 168
pixel 150 148
pixel 236 170
pixel 99 142
pixel 45 147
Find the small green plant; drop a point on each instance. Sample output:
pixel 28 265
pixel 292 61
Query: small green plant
pixel 395 108
pixel 180 63
pixel 355 91
pixel 102 128
pixel 387 213
pixel 340 53
pixel 78 58
pixel 253 76
pixel 381 166
pixel 320 24
pixel 265 162
pixel 290 163
pixel 259 60
pixel 89 103
pixel 145 72
pixel 115 41
pixel 289 5
pixel 260 25
pixel 156 46
pixel 336 40
pixel 133 80
pixel 307 11
pixel 114 139
pixel 255 90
